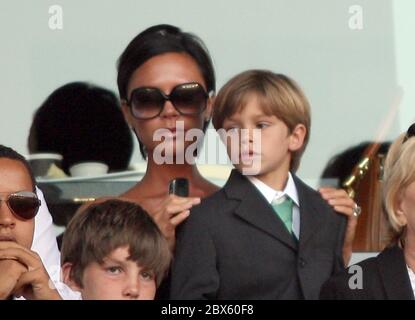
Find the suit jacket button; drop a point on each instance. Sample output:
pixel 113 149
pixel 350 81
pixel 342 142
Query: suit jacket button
pixel 302 263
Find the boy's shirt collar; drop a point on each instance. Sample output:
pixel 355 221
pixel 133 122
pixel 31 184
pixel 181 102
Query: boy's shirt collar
pixel 270 194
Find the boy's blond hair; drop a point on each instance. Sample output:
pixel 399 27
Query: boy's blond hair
pixel 277 94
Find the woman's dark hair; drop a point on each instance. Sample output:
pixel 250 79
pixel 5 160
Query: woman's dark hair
pixel 82 122
pixel 9 153
pixel 155 41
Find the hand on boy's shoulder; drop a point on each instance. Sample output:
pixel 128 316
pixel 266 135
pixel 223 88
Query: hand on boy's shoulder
pixel 339 200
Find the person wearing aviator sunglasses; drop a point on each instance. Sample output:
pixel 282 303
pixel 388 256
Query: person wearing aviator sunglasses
pixel 166 81
pixel 21 270
pixel 390 275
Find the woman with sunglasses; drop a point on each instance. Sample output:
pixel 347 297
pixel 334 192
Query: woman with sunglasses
pixel 21 270
pixel 390 275
pixel 166 81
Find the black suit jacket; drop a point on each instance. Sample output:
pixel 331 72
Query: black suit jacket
pixel 384 277
pixel 234 246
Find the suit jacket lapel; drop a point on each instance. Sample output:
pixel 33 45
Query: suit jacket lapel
pixel 310 216
pixel 254 209
pixel 392 268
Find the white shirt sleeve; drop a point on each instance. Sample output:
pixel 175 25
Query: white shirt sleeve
pixel 44 243
pixel 44 239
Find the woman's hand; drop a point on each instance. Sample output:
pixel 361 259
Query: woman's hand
pixel 342 203
pixel 33 281
pixel 172 211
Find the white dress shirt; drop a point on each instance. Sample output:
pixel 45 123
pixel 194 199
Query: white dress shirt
pixel 44 243
pixel 271 194
pixel 44 239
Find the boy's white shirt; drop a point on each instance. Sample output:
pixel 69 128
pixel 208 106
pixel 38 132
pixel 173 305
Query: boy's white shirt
pixel 271 194
pixel 44 243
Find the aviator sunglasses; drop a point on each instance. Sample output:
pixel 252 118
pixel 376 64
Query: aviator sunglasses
pixel 23 204
pixel 188 99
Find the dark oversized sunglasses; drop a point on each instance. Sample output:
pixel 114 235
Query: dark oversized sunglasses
pixel 188 99
pixel 22 204
pixel 410 133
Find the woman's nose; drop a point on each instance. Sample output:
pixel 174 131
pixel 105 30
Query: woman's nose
pixel 169 110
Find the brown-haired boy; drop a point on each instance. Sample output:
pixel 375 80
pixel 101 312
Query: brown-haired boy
pixel 266 235
pixel 113 250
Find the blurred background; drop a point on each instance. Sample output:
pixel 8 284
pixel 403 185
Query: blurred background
pixel 354 59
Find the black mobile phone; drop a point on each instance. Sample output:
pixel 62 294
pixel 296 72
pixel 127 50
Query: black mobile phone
pixel 179 187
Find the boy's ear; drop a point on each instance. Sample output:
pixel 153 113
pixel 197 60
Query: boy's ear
pixel 66 276
pixel 297 137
